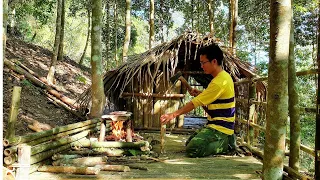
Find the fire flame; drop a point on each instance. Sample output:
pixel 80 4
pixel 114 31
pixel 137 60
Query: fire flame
pixel 117 129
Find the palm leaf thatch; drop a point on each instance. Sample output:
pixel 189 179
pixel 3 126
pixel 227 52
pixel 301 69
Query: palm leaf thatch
pixel 161 62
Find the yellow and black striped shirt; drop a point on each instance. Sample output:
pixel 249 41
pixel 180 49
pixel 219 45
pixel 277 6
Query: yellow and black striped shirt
pixel 219 97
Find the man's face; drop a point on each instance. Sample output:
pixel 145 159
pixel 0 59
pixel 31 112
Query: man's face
pixel 206 65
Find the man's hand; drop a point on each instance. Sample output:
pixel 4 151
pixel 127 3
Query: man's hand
pixel 164 119
pixel 194 92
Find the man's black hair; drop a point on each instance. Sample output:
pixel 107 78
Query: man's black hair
pixel 212 52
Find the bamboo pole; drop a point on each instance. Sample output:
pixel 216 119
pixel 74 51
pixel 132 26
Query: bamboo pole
pixel 110 144
pixel 304 148
pixel 24 153
pixel 58 142
pixel 150 95
pixel 47 154
pixel 110 152
pixel 31 137
pixel 15 104
pixel 157 129
pixel 39 83
pixel 7 174
pixel 65 156
pixel 84 161
pixel 118 168
pixel 10 159
pixel 13 149
pixel 70 169
pixel 34 167
pixel 162 135
pixel 289 170
pixel 102 130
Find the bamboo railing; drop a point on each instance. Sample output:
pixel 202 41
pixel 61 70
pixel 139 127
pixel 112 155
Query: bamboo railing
pixel 243 116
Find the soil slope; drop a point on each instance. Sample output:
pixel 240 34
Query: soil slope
pixel 71 80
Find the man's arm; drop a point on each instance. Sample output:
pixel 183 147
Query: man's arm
pixel 185 109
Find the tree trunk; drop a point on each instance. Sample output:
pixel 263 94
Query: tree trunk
pixel 108 38
pixel 98 97
pixel 4 25
pixel 233 25
pixel 50 76
pixel 115 33
pixel 88 37
pixel 277 100
pixel 151 24
pixel 63 18
pixel 161 20
pixel 128 32
pixel 317 136
pixel 211 16
pixel 294 110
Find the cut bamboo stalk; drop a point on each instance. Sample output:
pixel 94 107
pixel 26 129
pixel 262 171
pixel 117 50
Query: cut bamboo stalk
pixel 10 159
pixel 110 144
pixel 7 174
pixel 34 167
pixel 162 135
pixel 70 169
pixel 128 126
pixel 118 168
pixel 24 153
pixel 39 83
pixel 102 130
pixel 13 149
pixel 84 161
pixel 57 130
pixel 57 143
pixel 15 104
pixel 47 154
pixel 65 156
pixel 111 152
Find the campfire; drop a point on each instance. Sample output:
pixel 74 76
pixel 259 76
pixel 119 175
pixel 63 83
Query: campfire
pixel 121 128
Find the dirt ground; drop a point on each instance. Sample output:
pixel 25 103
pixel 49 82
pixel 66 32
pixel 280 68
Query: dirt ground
pixel 71 80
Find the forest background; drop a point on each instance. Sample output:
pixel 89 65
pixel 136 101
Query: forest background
pixel 34 21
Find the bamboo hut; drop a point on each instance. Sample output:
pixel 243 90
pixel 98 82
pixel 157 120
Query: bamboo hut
pixel 142 85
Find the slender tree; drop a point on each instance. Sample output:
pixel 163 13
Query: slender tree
pixel 108 34
pixel 5 22
pixel 88 36
pixel 63 18
pixel 151 24
pixel 317 136
pixel 127 33
pixel 50 76
pixel 277 99
pixel 115 15
pixel 98 97
pixel 161 20
pixel 293 106
pixel 233 25
pixel 211 16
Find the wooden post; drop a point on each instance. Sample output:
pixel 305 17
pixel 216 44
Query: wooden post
pixel 162 135
pixel 15 104
pixel 252 109
pixel 128 130
pixel 24 154
pixel 102 130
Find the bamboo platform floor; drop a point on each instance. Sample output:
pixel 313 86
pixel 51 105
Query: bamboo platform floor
pixel 175 166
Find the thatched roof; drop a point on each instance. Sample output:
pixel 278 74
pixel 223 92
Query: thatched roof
pixel 180 54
